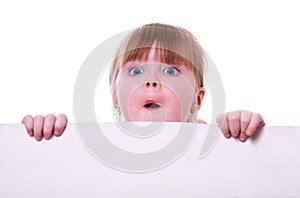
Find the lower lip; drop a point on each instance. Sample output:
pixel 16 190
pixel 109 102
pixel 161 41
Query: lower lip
pixel 148 108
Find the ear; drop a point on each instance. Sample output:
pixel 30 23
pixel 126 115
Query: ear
pixel 200 96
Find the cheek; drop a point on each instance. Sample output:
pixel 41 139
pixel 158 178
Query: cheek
pixel 173 106
pixel 183 90
pixel 127 95
pixel 182 98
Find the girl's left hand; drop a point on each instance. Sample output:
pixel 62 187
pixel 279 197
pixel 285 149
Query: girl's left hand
pixel 239 124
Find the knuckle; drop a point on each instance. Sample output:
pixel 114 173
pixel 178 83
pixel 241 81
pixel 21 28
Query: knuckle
pixel 50 116
pixel 244 120
pixel 27 117
pixel 256 115
pixel 62 116
pixel 38 117
pixel 233 117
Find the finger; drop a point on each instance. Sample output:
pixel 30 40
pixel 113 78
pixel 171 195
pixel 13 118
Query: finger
pixel 262 123
pixel 48 126
pixel 245 120
pixel 28 123
pixel 255 122
pixel 38 127
pixel 201 121
pixel 243 137
pixel 234 123
pixel 60 124
pixel 223 124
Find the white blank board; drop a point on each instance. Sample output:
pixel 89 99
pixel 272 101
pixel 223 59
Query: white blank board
pixel 266 166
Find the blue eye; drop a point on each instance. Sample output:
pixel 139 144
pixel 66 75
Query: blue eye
pixel 136 71
pixel 171 71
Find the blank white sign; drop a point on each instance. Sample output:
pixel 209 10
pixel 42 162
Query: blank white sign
pixel 266 166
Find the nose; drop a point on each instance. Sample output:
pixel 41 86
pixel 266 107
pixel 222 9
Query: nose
pixel 152 84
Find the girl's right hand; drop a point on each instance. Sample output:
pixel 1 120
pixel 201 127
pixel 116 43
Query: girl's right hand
pixel 45 127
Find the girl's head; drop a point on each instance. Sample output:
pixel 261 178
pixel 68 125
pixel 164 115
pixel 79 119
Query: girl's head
pixel 157 75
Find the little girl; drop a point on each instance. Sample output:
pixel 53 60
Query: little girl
pixel 157 75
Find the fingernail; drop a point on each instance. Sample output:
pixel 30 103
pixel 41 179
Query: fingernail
pixel 38 138
pixel 56 133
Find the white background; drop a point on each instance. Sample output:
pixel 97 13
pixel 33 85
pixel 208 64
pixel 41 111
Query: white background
pixel 254 44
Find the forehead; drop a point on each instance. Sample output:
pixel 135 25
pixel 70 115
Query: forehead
pixel 154 55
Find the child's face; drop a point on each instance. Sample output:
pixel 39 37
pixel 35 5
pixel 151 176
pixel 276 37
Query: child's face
pixel 153 91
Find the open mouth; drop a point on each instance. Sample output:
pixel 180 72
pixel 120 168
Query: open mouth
pixel 151 105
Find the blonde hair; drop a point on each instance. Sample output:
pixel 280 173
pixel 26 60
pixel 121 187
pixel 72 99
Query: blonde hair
pixel 173 45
